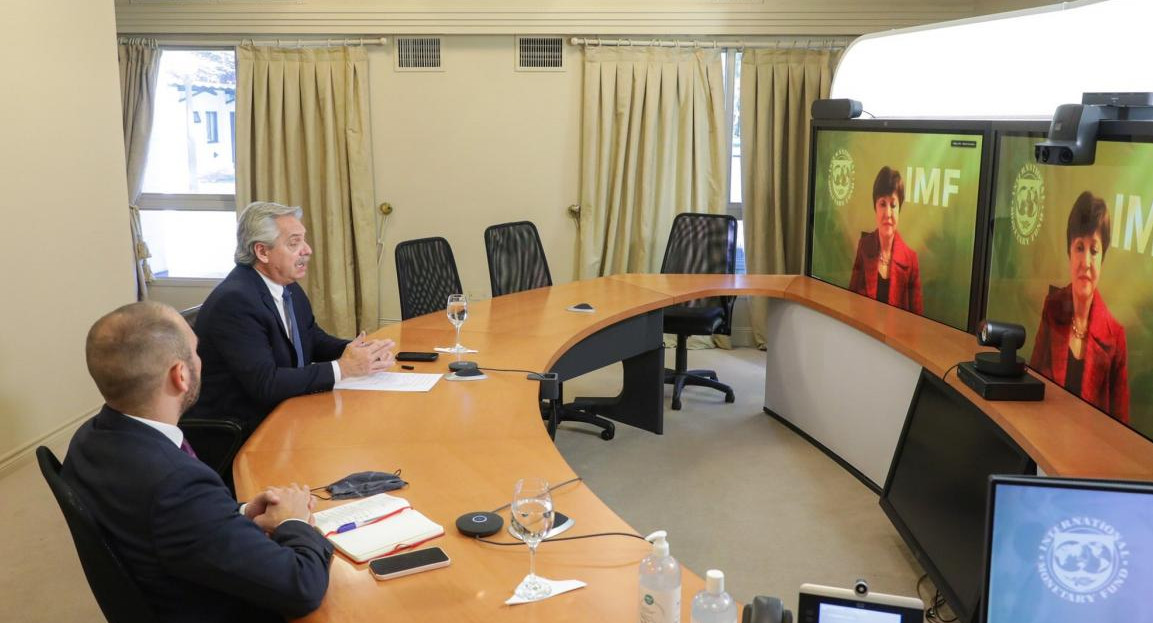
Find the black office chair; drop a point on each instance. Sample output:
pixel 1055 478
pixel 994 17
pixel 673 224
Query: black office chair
pixel 516 260
pixel 699 244
pixel 425 274
pixel 115 590
pixel 215 440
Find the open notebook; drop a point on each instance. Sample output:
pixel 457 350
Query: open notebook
pixel 376 526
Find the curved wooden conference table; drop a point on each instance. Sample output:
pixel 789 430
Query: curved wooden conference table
pixel 463 445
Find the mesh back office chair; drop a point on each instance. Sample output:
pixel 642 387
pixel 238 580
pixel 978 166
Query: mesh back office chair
pixel 215 440
pixel 425 274
pixel 699 244
pixel 516 260
pixel 115 590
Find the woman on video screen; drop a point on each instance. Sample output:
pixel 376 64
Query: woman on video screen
pixel 885 268
pixel 1079 344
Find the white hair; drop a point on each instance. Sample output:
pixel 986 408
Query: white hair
pixel 257 223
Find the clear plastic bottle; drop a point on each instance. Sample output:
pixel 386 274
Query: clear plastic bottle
pixel 714 605
pixel 660 591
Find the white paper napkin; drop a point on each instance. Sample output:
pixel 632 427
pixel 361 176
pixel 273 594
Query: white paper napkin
pixel 448 349
pixel 558 587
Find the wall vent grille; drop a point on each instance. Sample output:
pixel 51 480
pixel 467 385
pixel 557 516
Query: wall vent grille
pixel 418 54
pixel 539 54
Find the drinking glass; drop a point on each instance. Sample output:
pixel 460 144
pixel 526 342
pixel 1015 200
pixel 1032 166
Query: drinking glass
pixel 457 313
pixel 531 516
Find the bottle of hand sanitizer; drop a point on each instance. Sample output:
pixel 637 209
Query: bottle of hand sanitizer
pixel 660 593
pixel 714 605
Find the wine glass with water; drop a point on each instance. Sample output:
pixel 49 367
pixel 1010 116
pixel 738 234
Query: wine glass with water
pixel 532 516
pixel 457 313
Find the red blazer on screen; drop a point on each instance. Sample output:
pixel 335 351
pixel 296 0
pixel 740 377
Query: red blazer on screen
pixel 1106 380
pixel 904 272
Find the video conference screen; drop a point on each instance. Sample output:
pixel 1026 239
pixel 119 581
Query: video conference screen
pixel 1072 261
pixel 1068 551
pixel 894 217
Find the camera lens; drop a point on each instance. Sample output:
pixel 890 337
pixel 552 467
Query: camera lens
pixel 1066 155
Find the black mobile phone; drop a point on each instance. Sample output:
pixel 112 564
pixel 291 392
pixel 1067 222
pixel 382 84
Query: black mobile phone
pixel 414 356
pixel 408 563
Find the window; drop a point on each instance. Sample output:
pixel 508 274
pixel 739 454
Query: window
pixel 732 60
pixel 210 126
pixel 188 207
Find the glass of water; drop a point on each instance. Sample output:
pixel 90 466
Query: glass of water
pixel 532 516
pixel 457 313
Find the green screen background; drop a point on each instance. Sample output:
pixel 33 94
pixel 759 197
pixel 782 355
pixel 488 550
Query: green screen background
pixel 941 236
pixel 1020 273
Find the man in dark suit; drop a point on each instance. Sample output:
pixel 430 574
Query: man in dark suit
pixel 258 339
pixel 195 555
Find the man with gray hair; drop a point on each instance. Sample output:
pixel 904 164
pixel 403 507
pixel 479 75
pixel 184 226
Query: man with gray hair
pixel 195 555
pixel 258 339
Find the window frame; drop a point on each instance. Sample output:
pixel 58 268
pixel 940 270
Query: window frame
pixel 192 202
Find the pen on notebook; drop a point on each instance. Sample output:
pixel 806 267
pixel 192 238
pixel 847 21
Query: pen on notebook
pixel 346 527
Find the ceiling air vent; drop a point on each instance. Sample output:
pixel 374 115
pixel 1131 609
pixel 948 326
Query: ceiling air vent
pixel 539 54
pixel 418 54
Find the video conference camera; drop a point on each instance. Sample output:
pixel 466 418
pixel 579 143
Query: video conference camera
pixel 1072 138
pixel 1000 375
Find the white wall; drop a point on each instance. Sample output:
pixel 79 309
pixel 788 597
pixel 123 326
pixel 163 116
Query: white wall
pixel 66 251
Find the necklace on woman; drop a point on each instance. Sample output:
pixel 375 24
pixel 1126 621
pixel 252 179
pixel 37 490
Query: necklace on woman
pixel 1079 333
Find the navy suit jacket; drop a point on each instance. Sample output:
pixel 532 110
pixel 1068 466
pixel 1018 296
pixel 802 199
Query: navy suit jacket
pixel 176 528
pixel 249 364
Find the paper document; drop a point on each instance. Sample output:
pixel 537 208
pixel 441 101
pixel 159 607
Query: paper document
pixel 391 382
pixel 359 513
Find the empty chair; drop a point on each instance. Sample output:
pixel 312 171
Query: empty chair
pixel 215 440
pixel 115 590
pixel 516 260
pixel 699 244
pixel 425 274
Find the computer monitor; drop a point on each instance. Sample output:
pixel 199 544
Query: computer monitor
pixel 1071 261
pixel 894 207
pixel 937 486
pixel 1068 551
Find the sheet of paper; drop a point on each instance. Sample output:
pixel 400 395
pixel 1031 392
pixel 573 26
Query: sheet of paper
pixel 391 382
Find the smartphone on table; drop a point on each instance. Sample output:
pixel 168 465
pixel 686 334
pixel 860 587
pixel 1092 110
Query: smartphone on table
pixel 415 356
pixel 408 563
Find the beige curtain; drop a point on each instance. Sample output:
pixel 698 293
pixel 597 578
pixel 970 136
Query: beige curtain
pixel 653 143
pixel 778 88
pixel 302 138
pixel 139 66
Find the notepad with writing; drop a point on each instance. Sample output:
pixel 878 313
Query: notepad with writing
pixel 401 531
pixel 359 513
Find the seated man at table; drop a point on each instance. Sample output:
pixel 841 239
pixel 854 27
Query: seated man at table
pixel 168 516
pixel 258 339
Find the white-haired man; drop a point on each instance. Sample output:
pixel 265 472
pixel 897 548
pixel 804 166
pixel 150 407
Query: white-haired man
pixel 258 339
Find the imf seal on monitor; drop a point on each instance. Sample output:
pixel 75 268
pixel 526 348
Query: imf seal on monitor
pixel 1083 560
pixel 841 175
pixel 1028 204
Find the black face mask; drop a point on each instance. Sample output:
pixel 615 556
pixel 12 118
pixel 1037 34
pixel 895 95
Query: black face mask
pixel 364 484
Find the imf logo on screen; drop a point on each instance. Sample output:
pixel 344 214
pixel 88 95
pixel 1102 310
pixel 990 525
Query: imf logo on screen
pixel 1028 204
pixel 841 175
pixel 1083 560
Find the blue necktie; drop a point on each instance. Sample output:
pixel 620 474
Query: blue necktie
pixel 293 328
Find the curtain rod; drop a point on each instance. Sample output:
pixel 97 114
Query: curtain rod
pixel 283 43
pixel 807 43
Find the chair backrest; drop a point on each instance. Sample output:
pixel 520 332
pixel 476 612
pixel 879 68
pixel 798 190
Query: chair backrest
pixel 115 590
pixel 190 315
pixel 425 274
pixel 516 260
pixel 704 244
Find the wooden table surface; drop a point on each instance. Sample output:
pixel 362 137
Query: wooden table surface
pixel 463 445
